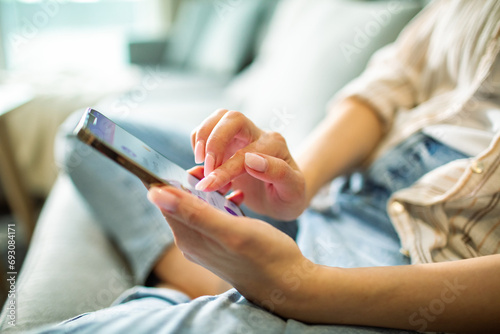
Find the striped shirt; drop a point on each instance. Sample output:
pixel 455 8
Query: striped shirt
pixel 443 69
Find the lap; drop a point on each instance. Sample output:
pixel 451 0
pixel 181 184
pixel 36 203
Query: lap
pixel 340 240
pixel 345 240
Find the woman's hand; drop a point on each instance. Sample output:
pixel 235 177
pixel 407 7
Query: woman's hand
pixel 256 162
pixel 267 267
pixel 262 263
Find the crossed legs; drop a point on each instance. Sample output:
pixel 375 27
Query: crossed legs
pixel 118 201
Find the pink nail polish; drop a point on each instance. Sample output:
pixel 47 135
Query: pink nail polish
pixel 256 162
pixel 205 183
pixel 209 163
pixel 199 151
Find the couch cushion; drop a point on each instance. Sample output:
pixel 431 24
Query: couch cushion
pixel 226 44
pixel 313 48
pixel 191 20
pixel 216 37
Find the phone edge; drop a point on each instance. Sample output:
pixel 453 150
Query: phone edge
pixel 88 138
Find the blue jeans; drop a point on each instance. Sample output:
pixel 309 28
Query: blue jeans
pixel 355 232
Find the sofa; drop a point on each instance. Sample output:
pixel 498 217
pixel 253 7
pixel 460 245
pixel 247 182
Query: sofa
pixel 279 63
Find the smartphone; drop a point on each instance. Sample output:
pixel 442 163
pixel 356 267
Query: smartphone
pixel 151 167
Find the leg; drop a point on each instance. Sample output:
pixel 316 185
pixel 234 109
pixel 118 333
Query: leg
pixel 118 201
pixel 174 271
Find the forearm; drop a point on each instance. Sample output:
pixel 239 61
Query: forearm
pixel 459 296
pixel 343 139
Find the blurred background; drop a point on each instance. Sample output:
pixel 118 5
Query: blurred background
pixel 52 35
pixel 58 56
pixel 278 61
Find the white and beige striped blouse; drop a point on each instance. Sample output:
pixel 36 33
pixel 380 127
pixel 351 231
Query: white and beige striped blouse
pixel 442 70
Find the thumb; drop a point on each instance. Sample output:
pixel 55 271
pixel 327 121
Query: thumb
pixel 189 210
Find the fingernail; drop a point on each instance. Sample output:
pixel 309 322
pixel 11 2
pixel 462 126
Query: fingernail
pixel 209 163
pixel 199 151
pixel 205 183
pixel 163 199
pixel 256 162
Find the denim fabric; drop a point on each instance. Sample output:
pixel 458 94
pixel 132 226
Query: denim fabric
pixel 397 169
pixel 357 232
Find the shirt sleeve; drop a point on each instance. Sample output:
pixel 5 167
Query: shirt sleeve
pixel 392 80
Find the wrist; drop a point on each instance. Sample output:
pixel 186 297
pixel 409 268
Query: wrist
pixel 304 285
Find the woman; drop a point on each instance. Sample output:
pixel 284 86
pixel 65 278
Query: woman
pixel 423 121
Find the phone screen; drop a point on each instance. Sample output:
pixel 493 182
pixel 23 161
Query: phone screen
pixel 124 144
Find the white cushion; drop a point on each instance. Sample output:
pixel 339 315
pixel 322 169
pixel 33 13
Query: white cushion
pixel 226 42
